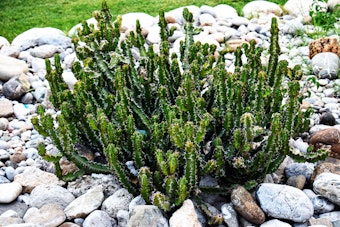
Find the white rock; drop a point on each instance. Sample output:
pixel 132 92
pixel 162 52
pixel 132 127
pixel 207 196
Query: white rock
pixel 332 3
pixel 3 42
pixel 85 204
pixel 284 202
pixel 229 215
pixel 69 79
pixel 185 216
pixel 45 51
pixel 74 30
pixel 47 215
pixel 276 223
pixel 145 20
pixel 254 8
pixel 206 19
pixel 9 192
pixel 328 185
pixel 30 38
pixel 225 11
pixel 99 218
pixel 11 67
pixel 120 200
pixel 298 8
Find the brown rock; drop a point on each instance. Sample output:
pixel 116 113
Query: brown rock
pixel 326 44
pixel 245 204
pixel 233 44
pixel 69 224
pixel 327 136
pixel 17 157
pixel 297 181
pixel 32 177
pixel 325 167
pixel 335 151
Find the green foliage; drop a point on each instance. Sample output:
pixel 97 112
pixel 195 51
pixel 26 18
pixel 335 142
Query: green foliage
pixel 174 117
pixel 323 17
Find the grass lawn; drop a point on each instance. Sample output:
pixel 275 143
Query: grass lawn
pixel 17 16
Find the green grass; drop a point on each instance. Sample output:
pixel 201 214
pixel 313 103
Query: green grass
pixel 17 16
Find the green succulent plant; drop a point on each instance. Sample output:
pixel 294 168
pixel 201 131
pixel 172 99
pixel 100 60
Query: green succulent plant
pixel 161 121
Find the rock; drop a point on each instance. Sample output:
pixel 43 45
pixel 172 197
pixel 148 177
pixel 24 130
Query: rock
pixel 324 44
pixel 81 185
pixel 55 194
pixel 223 11
pixel 327 136
pixel 229 214
pixel 298 8
pixel 99 218
pixel 321 205
pixel 74 30
pixel 16 87
pixel 47 215
pixel 122 218
pixel 332 216
pixel 276 223
pixel 3 42
pixel 40 36
pixel 69 79
pixel 320 222
pixel 255 8
pixel 32 177
pixel 233 44
pixel 328 185
pixel 69 224
pixel 185 216
pixel 6 108
pixel 246 206
pixel 18 207
pixel 85 204
pixel 120 200
pixel 45 51
pixel 17 157
pixel 9 192
pixel 22 110
pixel 327 119
pixel 138 200
pixel 326 65
pixel 147 215
pixel 206 19
pixel 284 202
pixel 324 167
pixel 297 181
pixel 10 51
pixel 11 67
pixel 335 151
pixel 294 169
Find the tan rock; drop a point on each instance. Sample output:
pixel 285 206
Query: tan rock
pixel 245 204
pixel 17 157
pixel 325 167
pixel 326 44
pixel 185 216
pixel 320 222
pixel 233 44
pixel 32 177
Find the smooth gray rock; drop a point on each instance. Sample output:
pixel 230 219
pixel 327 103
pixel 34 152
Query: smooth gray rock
pixel 328 185
pixel 45 51
pixel 284 202
pixel 19 208
pixel 147 215
pixel 11 67
pixel 326 65
pixel 296 169
pixel 229 215
pixel 99 218
pixel 321 205
pixel 16 87
pixel 120 200
pixel 54 194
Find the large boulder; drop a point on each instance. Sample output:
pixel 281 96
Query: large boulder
pixel 298 8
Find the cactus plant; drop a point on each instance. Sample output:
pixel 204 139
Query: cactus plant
pixel 161 121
